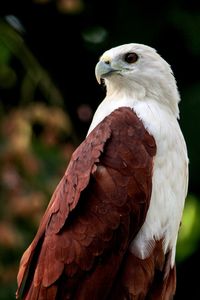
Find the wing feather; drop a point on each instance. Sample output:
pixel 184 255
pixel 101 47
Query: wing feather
pixel 68 191
pixel 96 210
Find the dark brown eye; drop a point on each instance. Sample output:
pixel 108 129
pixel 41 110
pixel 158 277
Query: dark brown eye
pixel 131 58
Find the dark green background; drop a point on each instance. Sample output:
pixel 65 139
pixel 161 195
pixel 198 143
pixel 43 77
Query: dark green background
pixel 51 62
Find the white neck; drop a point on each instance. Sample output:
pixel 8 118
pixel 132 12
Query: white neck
pixel 142 107
pixel 107 106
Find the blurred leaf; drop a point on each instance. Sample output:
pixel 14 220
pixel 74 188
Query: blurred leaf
pixel 95 35
pixel 35 77
pixel 70 6
pixel 5 54
pixel 189 236
pixel 7 76
pixel 15 23
pixel 9 236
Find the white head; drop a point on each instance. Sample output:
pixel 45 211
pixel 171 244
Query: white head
pixel 140 72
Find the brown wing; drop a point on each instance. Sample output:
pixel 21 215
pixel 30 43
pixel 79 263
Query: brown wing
pixel 96 210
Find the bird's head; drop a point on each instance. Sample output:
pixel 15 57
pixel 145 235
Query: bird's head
pixel 138 71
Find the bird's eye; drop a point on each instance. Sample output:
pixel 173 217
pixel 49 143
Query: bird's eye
pixel 131 57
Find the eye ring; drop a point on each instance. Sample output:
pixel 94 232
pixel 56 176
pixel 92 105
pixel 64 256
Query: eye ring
pixel 131 57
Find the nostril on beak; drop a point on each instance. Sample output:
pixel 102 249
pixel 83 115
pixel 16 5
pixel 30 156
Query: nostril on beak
pixel 107 62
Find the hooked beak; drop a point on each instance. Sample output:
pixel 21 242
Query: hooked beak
pixel 103 70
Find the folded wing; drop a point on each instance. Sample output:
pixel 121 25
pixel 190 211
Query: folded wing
pixel 97 209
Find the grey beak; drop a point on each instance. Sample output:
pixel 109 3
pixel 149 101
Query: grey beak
pixel 102 70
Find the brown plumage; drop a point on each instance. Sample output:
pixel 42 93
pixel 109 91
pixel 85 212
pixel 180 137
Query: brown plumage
pixel 81 248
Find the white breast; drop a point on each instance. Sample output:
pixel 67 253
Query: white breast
pixel 169 182
pixel 170 173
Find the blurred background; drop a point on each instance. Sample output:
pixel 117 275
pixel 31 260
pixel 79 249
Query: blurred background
pixel 48 94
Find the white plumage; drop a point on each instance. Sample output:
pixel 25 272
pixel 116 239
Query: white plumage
pixel 149 88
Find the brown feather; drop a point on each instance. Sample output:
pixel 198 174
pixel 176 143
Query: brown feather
pixel 145 279
pixel 95 212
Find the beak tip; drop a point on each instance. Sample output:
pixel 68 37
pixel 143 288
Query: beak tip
pixel 98 79
pixel 98 73
pixel 101 70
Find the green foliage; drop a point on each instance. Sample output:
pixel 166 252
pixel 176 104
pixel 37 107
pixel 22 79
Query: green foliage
pixel 36 142
pixel 12 47
pixel 36 133
pixel 189 236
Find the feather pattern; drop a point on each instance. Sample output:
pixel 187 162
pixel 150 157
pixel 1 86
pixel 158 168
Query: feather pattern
pixel 81 248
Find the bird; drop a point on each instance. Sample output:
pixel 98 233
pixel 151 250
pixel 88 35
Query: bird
pixel 111 227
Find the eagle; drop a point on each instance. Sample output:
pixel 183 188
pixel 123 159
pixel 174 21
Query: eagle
pixel 111 227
